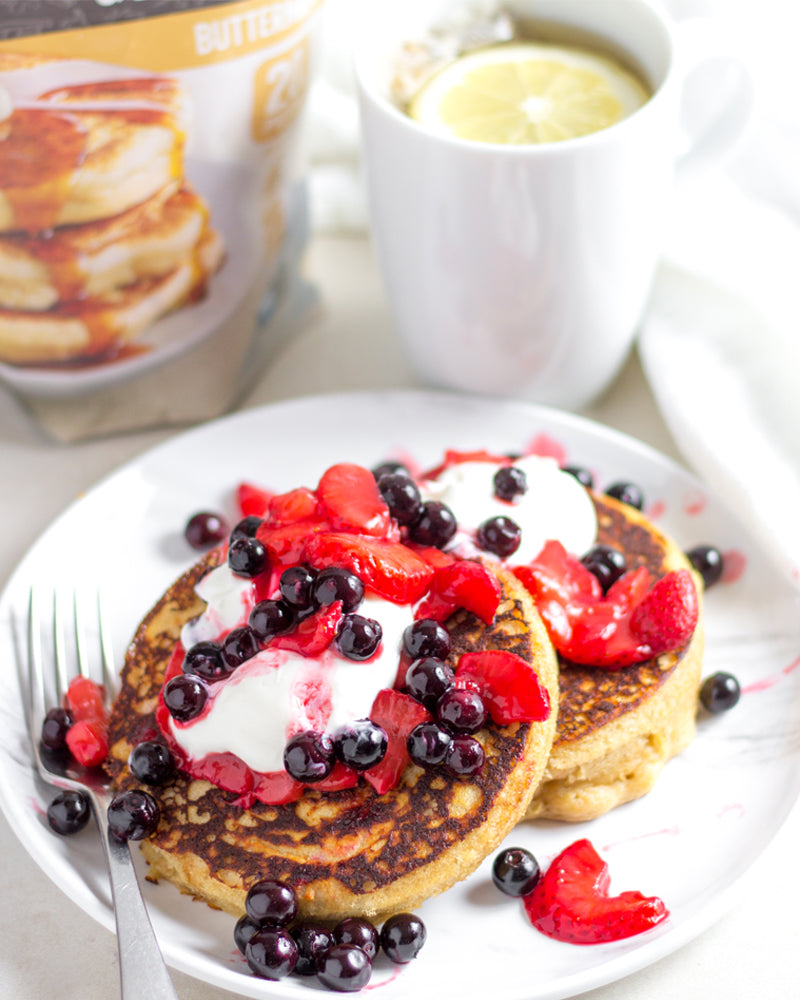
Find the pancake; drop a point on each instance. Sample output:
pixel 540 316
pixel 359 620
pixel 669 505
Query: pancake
pixel 351 852
pixel 78 262
pixel 617 729
pixel 64 167
pixel 88 328
pixel 162 91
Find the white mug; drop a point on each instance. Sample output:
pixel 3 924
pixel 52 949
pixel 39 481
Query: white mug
pixel 524 270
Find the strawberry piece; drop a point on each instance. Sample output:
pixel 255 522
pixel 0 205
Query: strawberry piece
pixel 509 686
pixel 85 699
pixel 463 584
pixel 437 558
pixel 314 634
pixel 286 544
pixel 87 740
pixel 667 616
pixel 351 500
pixel 252 499
pixel 454 457
pixel 389 569
pixel 397 714
pixel 288 508
pixel 571 901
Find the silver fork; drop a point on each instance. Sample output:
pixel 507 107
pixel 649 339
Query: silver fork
pixel 143 973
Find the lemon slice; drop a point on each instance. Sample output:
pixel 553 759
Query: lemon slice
pixel 527 93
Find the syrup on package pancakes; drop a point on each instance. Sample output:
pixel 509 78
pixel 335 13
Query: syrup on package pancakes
pixel 151 202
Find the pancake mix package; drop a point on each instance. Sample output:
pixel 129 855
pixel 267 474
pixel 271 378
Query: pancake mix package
pixel 152 206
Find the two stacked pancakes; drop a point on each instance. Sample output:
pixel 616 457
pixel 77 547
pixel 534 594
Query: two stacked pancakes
pixel 100 233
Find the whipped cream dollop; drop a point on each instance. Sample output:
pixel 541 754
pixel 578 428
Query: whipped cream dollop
pixel 277 693
pixel 555 506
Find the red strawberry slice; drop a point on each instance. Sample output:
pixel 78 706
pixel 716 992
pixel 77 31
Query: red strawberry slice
pixel 287 543
pixel 571 901
pixel 463 584
pixel 314 634
pixel 85 699
pixel 667 616
pixel 510 687
pixel 436 557
pixel 454 457
pixel 87 740
pixel 397 714
pixel 287 508
pixel 252 499
pixel 389 569
pixel 350 498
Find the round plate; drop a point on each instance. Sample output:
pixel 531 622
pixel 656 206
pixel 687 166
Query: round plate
pixel 729 791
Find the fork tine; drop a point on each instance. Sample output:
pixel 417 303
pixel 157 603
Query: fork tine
pixel 36 694
pixel 59 647
pixel 106 649
pixel 84 668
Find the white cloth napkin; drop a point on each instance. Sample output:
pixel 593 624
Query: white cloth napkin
pixel 720 342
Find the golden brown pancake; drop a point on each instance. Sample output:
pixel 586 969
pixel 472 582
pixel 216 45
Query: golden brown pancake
pixel 617 729
pixel 351 852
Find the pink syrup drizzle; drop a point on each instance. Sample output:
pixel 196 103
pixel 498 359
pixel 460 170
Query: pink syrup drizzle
pixel 694 503
pixel 667 831
pixel 547 447
pixel 767 682
pixel 656 510
pixel 36 806
pixel 734 809
pixel 396 971
pixel 734 564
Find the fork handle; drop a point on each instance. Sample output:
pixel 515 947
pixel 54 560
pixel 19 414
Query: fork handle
pixel 142 970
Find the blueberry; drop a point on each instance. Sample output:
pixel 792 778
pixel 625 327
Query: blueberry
pixel 245 928
pixel 55 728
pixel 719 692
pixel 68 812
pixel 606 563
pixel 271 953
pixel 461 710
pixel 390 469
pixel 427 744
pixel 402 497
pixel 334 583
pixel 238 646
pixel 357 931
pixel 509 483
pixel 357 637
pixel 499 535
pixel 205 529
pixel 247 557
pixel 132 815
pixel 204 659
pixel 308 756
pixel 584 477
pixel 312 941
pixel 185 697
pixel 152 763
pixel 297 587
pixel 464 755
pixel 428 679
pixel 707 561
pixel 270 618
pixel 628 493
pixel 426 637
pixel 515 871
pixel 246 528
pixel 344 968
pixel 436 525
pixel 271 902
pixel 402 937
pixel 361 745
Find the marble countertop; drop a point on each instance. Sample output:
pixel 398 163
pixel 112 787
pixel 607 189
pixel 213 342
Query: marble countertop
pixel 49 947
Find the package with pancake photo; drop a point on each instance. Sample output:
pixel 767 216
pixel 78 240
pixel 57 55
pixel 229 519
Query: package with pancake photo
pixel 152 204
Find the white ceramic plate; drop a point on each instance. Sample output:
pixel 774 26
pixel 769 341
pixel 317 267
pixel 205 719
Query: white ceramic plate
pixel 712 813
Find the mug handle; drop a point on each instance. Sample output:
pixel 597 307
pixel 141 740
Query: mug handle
pixel 713 125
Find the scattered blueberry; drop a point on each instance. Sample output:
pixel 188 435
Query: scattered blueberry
pixel 334 583
pixel 247 557
pixel 309 756
pixel 55 728
pixel 510 482
pixel 204 659
pixel 357 637
pixel 515 871
pixel 271 902
pixel 270 618
pixel 606 563
pixel 68 812
pixel 238 646
pixel 185 696
pixel 584 477
pixel 719 692
pixel 428 679
pixel 464 755
pixel 152 763
pixel 271 953
pixel 361 745
pixel 402 497
pixel 132 815
pixel 312 941
pixel 402 937
pixel 246 528
pixel 205 529
pixel 461 710
pixel 436 525
pixel 708 562
pixel 390 469
pixel 427 744
pixel 628 493
pixel 499 535
pixel 344 968
pixel 245 928
pixel 426 637
pixel 357 931
pixel 297 587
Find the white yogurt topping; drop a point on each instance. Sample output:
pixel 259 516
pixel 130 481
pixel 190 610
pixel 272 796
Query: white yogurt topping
pixel 278 693
pixel 229 599
pixel 554 506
